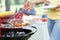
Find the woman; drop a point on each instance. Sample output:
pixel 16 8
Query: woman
pixel 53 16
pixel 54 22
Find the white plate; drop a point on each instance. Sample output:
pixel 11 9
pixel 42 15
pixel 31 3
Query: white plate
pixel 49 6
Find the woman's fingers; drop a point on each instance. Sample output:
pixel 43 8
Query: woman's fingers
pixel 58 7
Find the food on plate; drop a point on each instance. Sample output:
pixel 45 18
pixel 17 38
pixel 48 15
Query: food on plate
pixel 17 24
pixel 25 23
pixel 21 24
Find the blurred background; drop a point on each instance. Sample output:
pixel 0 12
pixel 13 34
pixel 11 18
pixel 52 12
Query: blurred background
pixel 11 5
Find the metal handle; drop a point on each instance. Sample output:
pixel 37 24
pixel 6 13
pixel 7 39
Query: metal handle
pixel 34 28
pixel 31 33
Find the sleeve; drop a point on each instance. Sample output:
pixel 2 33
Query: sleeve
pixel 25 11
pixel 33 12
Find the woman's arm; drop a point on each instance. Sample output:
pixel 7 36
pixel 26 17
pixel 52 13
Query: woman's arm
pixel 37 1
pixel 32 12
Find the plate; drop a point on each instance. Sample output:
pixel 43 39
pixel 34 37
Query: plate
pixel 49 6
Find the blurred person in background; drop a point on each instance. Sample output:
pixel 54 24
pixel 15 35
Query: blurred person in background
pixel 28 8
pixel 53 16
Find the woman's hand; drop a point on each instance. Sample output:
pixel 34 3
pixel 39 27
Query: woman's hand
pixel 58 8
pixel 28 5
pixel 47 3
